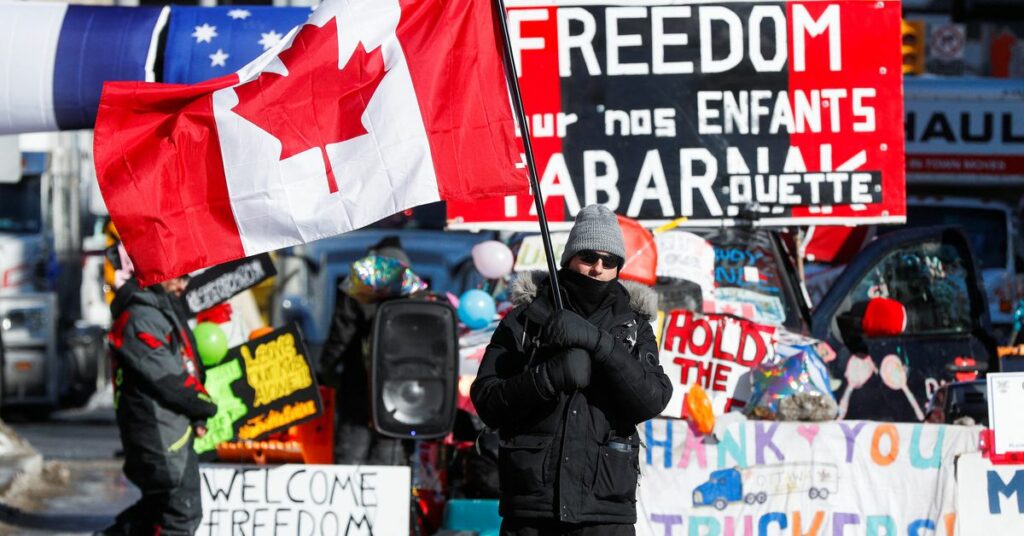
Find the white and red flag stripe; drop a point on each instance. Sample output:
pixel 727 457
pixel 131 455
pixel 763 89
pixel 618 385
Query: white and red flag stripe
pixel 371 108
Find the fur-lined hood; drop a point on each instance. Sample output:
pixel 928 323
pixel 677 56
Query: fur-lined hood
pixel 642 299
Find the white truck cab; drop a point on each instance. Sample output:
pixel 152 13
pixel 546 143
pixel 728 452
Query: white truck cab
pixel 51 354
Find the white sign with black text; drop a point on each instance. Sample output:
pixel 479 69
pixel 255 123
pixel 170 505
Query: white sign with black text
pixel 304 500
pixel 1005 398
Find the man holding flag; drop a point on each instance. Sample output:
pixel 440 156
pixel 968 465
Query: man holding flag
pixel 370 108
pixel 566 387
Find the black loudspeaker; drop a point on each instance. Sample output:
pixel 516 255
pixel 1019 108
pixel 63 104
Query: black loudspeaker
pixel 415 369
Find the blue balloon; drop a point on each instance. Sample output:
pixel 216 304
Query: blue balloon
pixel 476 308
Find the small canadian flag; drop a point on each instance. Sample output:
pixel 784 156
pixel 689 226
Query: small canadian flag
pixel 370 108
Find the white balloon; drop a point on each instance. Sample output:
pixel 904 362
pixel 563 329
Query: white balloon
pixel 492 259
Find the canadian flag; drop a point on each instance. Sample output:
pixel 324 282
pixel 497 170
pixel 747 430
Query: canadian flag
pixel 372 107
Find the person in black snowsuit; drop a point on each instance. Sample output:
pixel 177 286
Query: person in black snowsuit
pixel 566 389
pixel 345 366
pixel 161 405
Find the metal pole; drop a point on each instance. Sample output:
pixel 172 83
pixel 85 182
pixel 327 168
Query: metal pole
pixel 531 165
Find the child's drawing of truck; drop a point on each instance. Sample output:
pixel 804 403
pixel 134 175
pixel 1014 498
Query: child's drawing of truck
pixel 756 483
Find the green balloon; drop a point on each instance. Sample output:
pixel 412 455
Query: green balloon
pixel 212 343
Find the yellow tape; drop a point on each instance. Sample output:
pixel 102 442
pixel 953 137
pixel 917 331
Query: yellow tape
pixel 671 225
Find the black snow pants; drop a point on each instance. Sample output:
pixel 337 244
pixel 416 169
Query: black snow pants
pixel 164 510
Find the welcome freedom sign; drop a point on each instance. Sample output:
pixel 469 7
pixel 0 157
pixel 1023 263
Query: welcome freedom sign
pixel 304 500
pixel 789 111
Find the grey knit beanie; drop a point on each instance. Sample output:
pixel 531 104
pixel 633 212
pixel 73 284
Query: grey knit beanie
pixel 596 228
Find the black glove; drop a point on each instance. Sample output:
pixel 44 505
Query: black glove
pixel 566 329
pixel 566 371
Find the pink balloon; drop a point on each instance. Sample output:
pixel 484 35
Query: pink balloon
pixel 492 259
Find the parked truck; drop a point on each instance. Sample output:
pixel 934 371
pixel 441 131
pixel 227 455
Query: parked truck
pixel 53 354
pixel 756 483
pixel 964 141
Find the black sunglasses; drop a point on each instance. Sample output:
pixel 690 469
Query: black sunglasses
pixel 589 256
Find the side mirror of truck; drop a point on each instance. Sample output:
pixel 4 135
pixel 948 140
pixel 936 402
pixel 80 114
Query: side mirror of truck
pixel 850 331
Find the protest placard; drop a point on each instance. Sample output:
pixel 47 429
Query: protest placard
pixel 220 283
pixel 304 500
pixel 262 386
pixel 822 478
pixel 715 350
pixel 789 112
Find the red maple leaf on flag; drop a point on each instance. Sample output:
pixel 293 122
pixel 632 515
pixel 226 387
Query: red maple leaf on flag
pixel 315 103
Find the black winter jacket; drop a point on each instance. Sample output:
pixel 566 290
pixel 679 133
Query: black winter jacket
pixel 344 360
pixel 158 389
pixel 573 457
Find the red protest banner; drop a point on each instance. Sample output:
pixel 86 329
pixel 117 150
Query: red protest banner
pixel 716 351
pixel 788 113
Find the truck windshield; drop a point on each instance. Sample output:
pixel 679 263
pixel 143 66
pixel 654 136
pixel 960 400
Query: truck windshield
pixel 20 206
pixel 986 228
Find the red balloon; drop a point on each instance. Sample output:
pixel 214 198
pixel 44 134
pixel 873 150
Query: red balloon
pixel 641 253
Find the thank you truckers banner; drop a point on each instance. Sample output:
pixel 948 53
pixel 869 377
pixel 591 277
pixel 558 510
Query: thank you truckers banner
pixel 836 478
pixel 788 112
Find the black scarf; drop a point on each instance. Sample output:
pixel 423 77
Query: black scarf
pixel 585 293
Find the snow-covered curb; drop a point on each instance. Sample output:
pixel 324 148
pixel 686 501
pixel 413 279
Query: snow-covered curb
pixel 18 460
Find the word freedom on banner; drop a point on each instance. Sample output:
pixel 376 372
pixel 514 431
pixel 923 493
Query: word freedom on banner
pixel 304 500
pixel 778 112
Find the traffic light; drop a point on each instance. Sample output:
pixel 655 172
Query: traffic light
pixel 913 46
pixel 415 369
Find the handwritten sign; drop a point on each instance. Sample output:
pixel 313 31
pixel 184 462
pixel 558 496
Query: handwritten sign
pixel 304 500
pixel 989 498
pixel 832 478
pixel 261 387
pixel 716 351
pixel 220 283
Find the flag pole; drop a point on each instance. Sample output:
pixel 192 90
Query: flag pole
pixel 531 165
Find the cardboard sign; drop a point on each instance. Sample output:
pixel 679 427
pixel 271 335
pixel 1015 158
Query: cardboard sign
pixel 304 500
pixel 222 282
pixel 789 111
pixel 684 255
pixel 261 387
pixel 531 257
pixel 837 478
pixel 717 351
